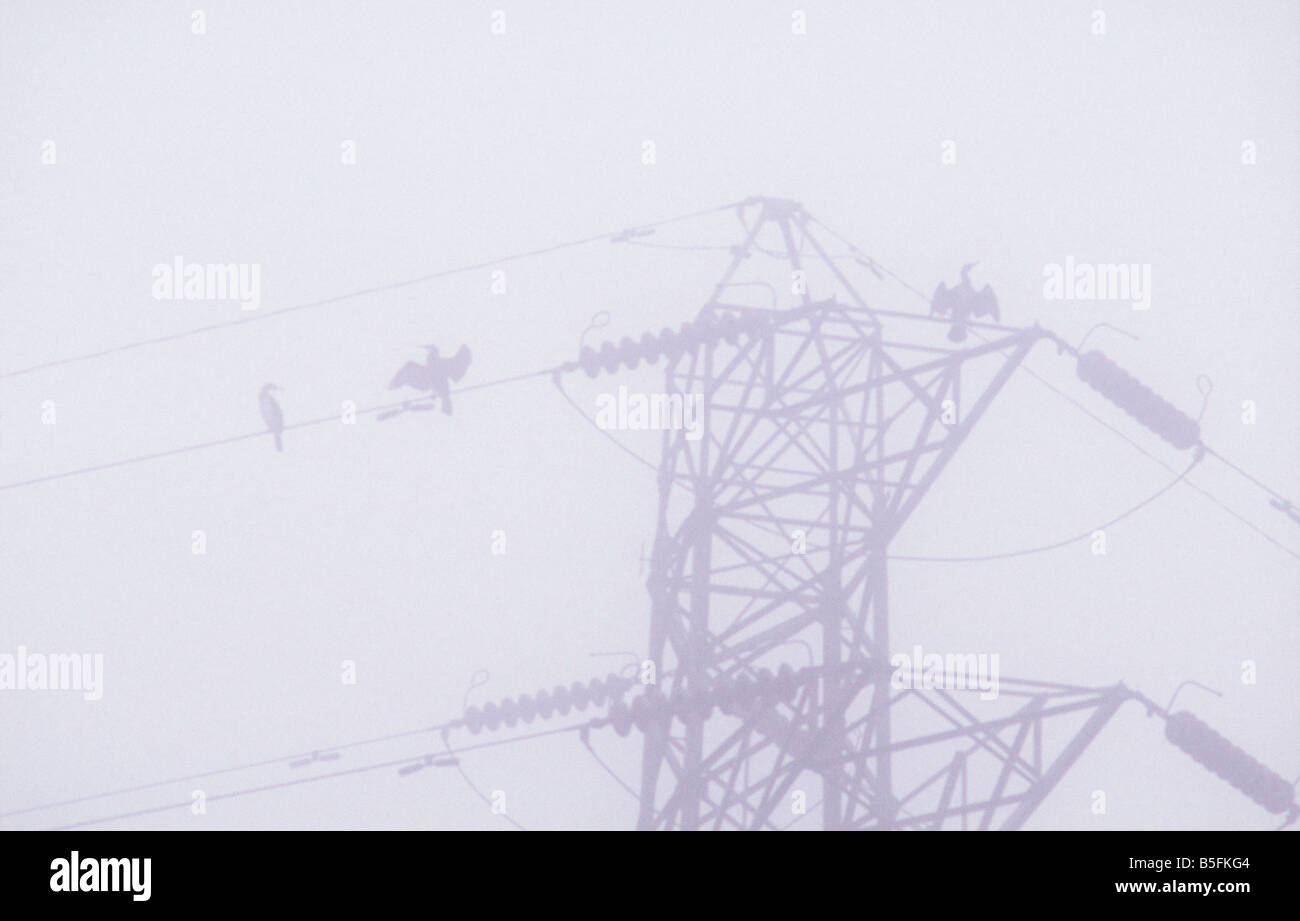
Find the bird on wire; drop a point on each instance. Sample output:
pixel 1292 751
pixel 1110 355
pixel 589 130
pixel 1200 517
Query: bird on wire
pixel 434 376
pixel 272 413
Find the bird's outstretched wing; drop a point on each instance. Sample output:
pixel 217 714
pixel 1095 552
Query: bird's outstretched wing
pixel 411 375
pixel 941 303
pixel 459 363
pixel 986 304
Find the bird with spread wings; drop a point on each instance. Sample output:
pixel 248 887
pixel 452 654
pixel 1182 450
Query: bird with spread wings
pixel 963 303
pixel 435 375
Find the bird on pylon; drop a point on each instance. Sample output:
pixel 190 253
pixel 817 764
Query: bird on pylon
pixel 434 376
pixel 272 413
pixel 963 303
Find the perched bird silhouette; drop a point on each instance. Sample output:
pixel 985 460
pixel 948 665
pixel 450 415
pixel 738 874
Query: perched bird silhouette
pixel 272 413
pixel 963 303
pixel 435 375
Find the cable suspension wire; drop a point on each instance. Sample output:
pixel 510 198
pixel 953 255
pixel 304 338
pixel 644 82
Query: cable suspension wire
pixel 473 786
pixel 592 422
pixel 360 292
pixel 1058 544
pixel 586 741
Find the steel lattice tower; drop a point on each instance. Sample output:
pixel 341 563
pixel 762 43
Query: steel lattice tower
pixel 823 431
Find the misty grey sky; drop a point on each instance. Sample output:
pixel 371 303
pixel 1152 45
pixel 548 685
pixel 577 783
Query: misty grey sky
pixel 372 543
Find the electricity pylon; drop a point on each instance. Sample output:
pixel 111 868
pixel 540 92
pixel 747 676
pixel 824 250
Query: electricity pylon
pixel 822 432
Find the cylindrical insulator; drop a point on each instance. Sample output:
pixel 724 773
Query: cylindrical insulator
pixel 578 694
pixel 474 720
pixel 649 709
pixel 491 717
pixel 670 344
pixel 700 702
pixel 589 361
pixel 641 712
pixel 650 348
pixel 509 711
pixel 677 702
pixel 1138 400
pixel 629 353
pixel 596 692
pixel 620 718
pixel 609 357
pixel 1216 753
pixel 544 704
pixel 658 703
pixel 765 685
pixel 527 709
pixel 560 699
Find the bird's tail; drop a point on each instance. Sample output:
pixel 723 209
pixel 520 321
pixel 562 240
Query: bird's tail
pixel 279 444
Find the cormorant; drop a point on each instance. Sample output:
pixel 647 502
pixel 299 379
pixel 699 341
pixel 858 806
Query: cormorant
pixel 272 413
pixel 435 375
pixel 963 303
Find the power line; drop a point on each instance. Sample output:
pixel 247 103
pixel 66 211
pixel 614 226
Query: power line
pixel 871 259
pixel 582 727
pixel 185 449
pixel 1282 502
pixel 361 292
pixel 611 686
pixel 1138 447
pixel 1179 477
pixel 267 762
pixel 1223 460
pixel 362 769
